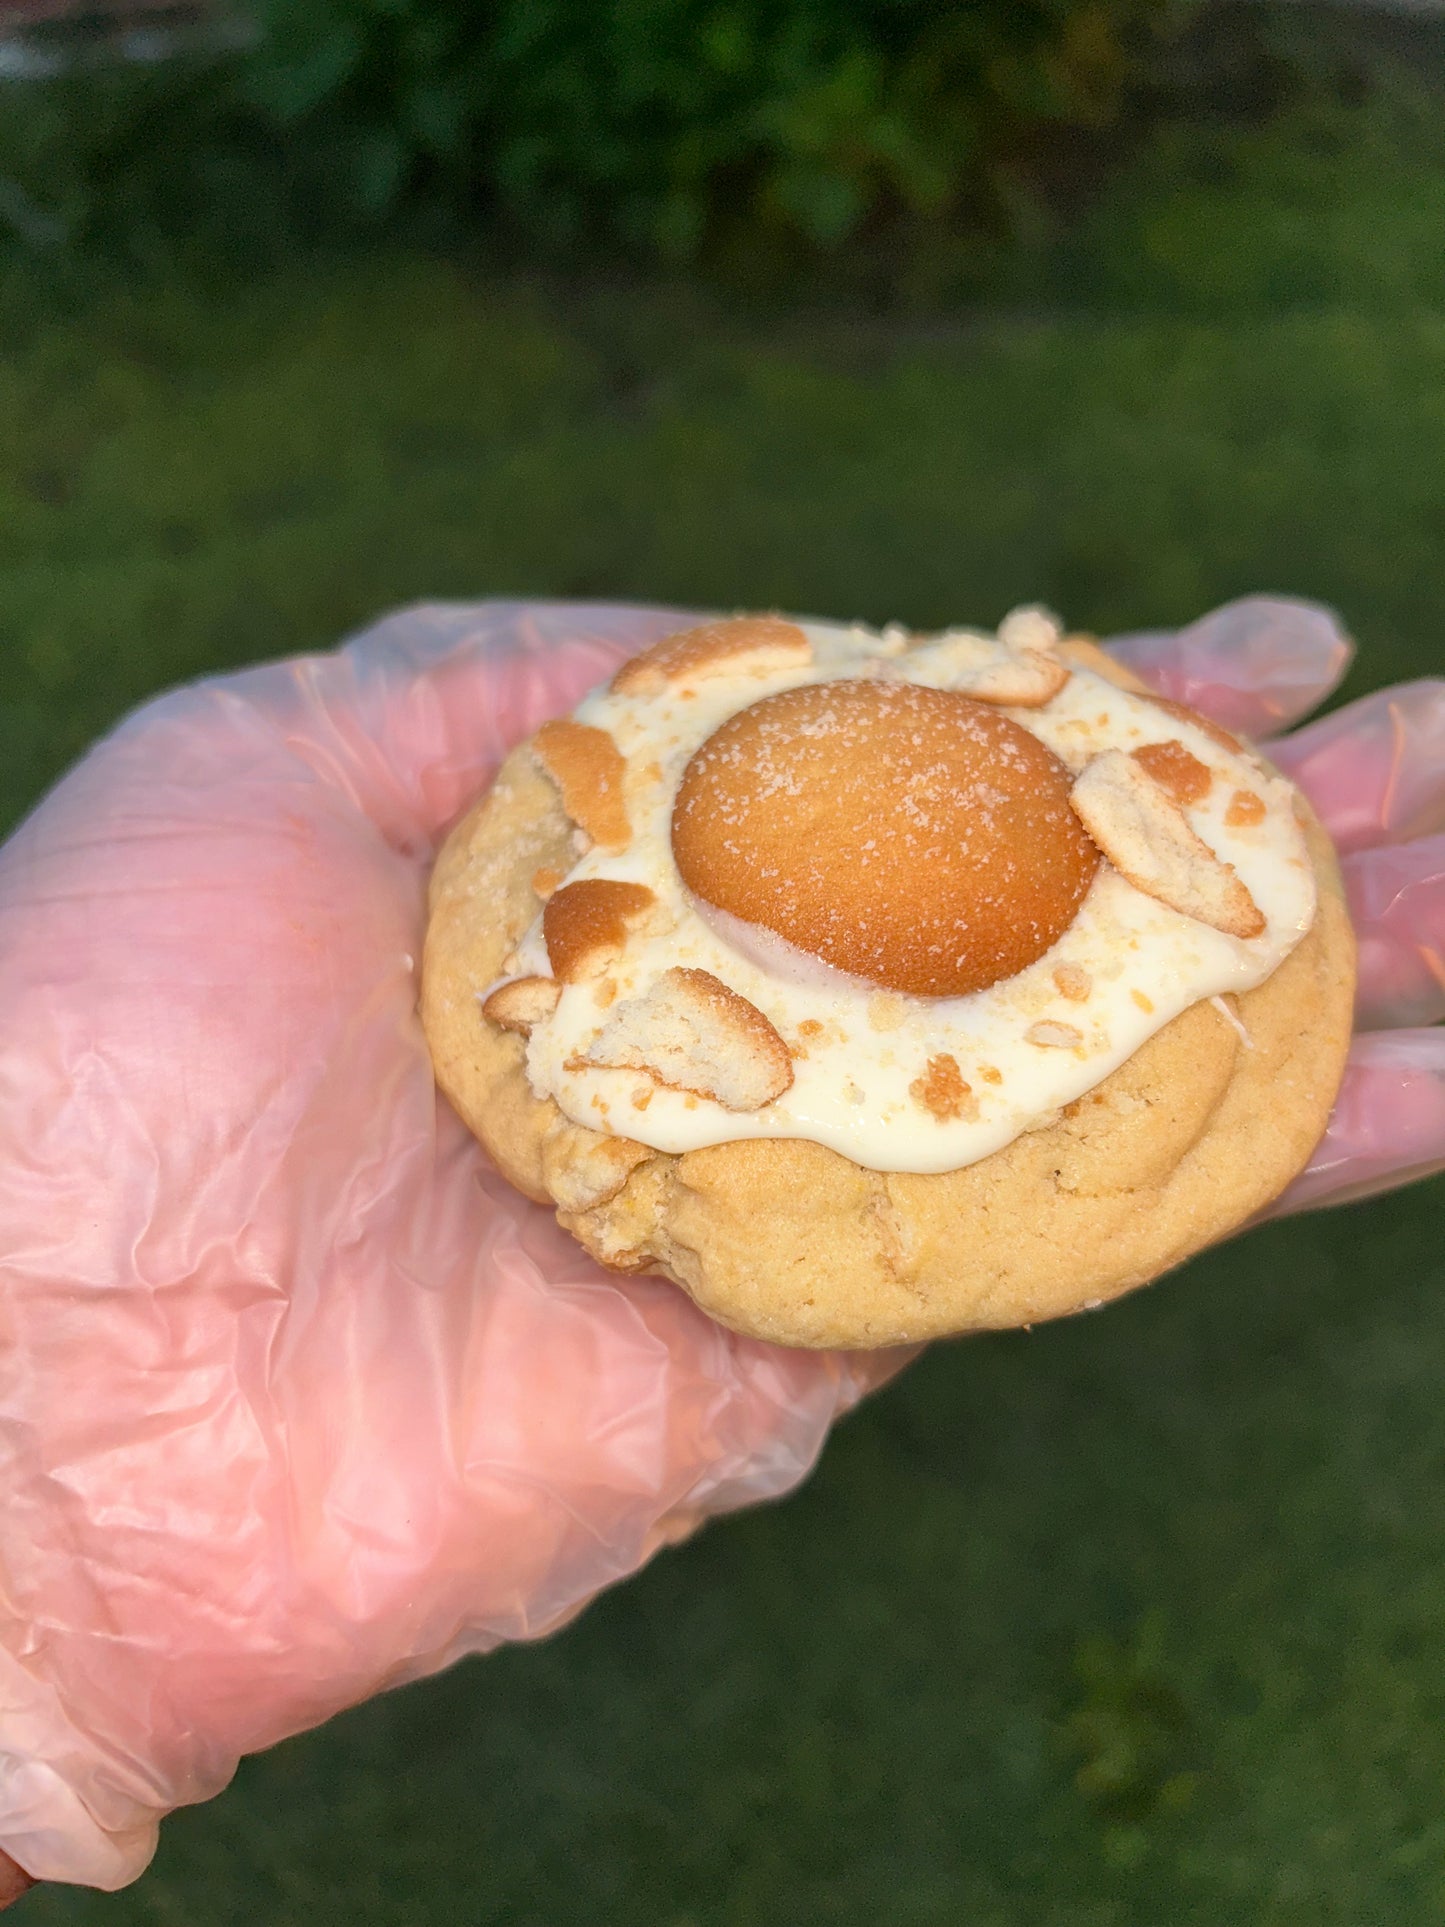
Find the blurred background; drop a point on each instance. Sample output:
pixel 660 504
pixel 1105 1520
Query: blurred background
pixel 873 308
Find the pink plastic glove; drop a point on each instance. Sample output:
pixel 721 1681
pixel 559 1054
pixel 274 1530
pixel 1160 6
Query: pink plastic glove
pixel 298 1400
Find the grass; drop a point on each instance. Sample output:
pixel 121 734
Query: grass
pixel 1130 1620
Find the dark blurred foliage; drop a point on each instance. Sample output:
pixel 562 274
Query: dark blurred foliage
pixel 893 145
pixel 676 129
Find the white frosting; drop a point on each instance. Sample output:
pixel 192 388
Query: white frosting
pixel 1144 962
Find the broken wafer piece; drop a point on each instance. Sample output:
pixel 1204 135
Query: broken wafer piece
pixel 691 1033
pixel 744 645
pixel 1016 675
pixel 585 925
pixel 1024 679
pixel 523 1002
pixel 1175 769
pixel 943 1091
pixel 589 769
pixel 1072 982
pixel 1049 1035
pixel 1144 834
pixel 1031 627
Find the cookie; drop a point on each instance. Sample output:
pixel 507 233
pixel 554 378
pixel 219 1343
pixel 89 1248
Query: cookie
pixel 876 988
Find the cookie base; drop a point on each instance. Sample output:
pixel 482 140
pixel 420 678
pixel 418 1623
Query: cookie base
pixel 791 1242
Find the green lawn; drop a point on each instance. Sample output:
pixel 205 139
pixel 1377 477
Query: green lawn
pixel 1133 1621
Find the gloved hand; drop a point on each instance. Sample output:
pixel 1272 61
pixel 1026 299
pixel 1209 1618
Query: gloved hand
pixel 298 1400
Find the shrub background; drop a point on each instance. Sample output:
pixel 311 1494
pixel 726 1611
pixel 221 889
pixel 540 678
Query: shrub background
pixel 900 145
pixel 678 125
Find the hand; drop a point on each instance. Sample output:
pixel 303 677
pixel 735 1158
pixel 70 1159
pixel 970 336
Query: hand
pixel 298 1400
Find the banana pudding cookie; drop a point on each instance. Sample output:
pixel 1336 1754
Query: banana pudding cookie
pixel 874 987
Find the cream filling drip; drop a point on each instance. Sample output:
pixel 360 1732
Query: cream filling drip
pixel 1024 1047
